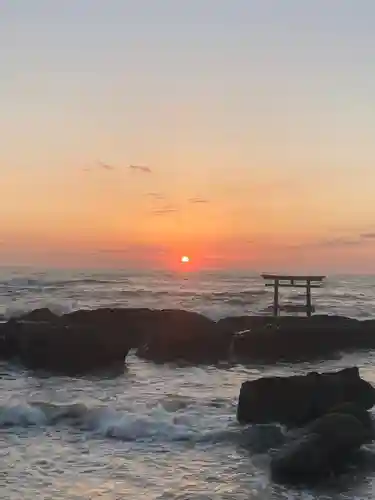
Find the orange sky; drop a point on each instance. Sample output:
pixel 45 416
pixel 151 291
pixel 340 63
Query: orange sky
pixel 259 142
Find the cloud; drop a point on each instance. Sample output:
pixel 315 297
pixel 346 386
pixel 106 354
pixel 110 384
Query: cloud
pixel 156 196
pixel 198 200
pixel 333 242
pixel 326 243
pixel 134 250
pixel 165 210
pixel 141 168
pixel 368 236
pixel 106 166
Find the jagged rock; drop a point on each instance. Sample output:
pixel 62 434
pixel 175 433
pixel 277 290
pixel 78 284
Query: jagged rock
pixel 297 400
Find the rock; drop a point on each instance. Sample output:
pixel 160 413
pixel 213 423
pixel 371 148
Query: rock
pixel 341 429
pixel 292 338
pixel 181 335
pixel 66 350
pixel 86 340
pixel 133 323
pixel 356 411
pixel 160 335
pixel 173 335
pixel 296 400
pixel 40 315
pixel 327 448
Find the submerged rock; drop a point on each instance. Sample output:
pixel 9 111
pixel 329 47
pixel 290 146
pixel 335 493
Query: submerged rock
pixel 326 448
pixel 297 400
pixel 357 411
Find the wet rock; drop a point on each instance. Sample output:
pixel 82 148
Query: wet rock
pixel 356 411
pixel 133 323
pixel 160 335
pixel 262 438
pixel 292 338
pixel 296 400
pixel 326 448
pixel 177 335
pixel 182 335
pixel 67 350
pixel 40 316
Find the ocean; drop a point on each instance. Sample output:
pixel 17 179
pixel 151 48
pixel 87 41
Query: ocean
pixel 157 431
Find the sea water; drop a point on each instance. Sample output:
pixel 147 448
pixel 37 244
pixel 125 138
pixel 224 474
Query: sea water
pixel 155 432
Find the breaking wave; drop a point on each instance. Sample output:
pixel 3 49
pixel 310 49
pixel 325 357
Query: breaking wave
pixel 162 422
pixel 166 422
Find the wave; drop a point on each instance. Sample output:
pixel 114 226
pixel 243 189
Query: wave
pixel 168 421
pixel 15 311
pixel 50 283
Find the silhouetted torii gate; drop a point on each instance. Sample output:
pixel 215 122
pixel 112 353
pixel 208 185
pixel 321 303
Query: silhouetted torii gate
pixel 307 282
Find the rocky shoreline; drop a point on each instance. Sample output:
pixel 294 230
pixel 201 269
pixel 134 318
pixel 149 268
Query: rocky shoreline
pixel 90 340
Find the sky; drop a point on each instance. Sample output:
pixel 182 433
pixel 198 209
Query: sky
pixel 237 132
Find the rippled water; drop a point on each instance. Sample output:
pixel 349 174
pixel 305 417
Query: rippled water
pixel 156 432
pixel 214 294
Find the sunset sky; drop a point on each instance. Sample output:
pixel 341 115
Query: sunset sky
pixel 253 120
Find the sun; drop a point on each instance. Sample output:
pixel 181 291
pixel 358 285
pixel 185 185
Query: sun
pixel 185 259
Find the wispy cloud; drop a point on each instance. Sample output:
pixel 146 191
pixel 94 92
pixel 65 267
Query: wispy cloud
pixel 106 166
pixel 156 196
pixel 99 165
pixel 368 236
pixel 334 242
pixel 134 250
pixel 338 242
pixel 165 210
pixel 141 168
pixel 198 200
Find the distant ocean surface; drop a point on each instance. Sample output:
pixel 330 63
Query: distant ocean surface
pixel 156 432
pixel 214 294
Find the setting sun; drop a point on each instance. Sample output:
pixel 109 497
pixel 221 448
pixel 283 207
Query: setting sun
pixel 185 259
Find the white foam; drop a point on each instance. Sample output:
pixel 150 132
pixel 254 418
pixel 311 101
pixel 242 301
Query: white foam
pixel 156 423
pixel 22 415
pixel 159 424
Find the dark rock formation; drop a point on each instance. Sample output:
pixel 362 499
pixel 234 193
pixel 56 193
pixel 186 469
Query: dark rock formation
pixel 160 335
pixel 64 349
pixel 133 323
pixel 41 339
pixel 40 316
pixel 296 400
pixel 357 411
pixel 291 338
pixel 181 335
pixel 330 410
pixel 326 448
pixel 173 335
